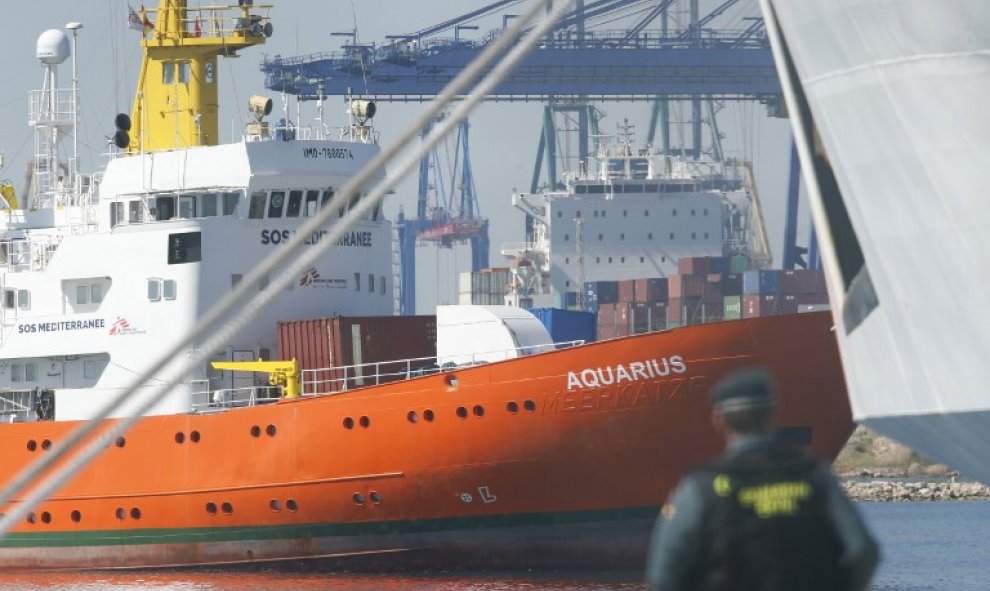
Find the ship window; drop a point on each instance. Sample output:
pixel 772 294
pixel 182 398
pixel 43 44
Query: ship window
pixel 230 203
pixel 567 237
pixel 16 372
pixel 704 211
pixel 376 213
pixel 263 283
pixel 663 259
pixel 187 207
pixel 673 213
pixel 671 235
pixel 646 213
pixel 596 213
pixel 381 284
pixel 616 188
pixel 625 213
pixel 567 283
pixel 116 213
pixel 275 204
pixel 692 212
pixel 610 260
pixel 694 235
pixel 168 72
pixel 596 189
pixel 168 289
pixel 371 283
pixel 92 368
pixel 96 293
pixel 235 279
pixel 154 290
pixel 82 294
pixel 23 299
pixel 577 213
pixel 208 205
pixel 357 282
pixel 603 213
pixel 600 237
pixel 622 236
pixel 185 247
pixel 634 188
pixel 355 198
pixel 257 209
pixel 642 259
pixel 295 204
pixel 185 72
pixel 30 372
pixel 165 207
pixel 312 203
pixel 706 235
pixel 649 236
pixel 135 211
pixel 651 188
pixel 580 189
pixel 567 260
pixel 598 259
pixel 327 196
pixel 560 213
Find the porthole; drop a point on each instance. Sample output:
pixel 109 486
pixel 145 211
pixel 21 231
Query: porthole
pixel 358 498
pixel 31 518
pixel 180 437
pixel 75 515
pixel 412 417
pixel 120 513
pixel 348 423
pixel 375 496
pixel 194 437
pixel 451 381
pixel 274 505
pixel 227 508
pixel 479 411
pixel 255 431
pixel 211 508
pixel 428 415
pixel 270 430
pixel 46 517
pixel 462 412
pixel 32 445
pixel 364 421
pixel 135 513
pixel 292 505
pixel 46 445
pixel 512 407
pixel 529 405
pixel 120 442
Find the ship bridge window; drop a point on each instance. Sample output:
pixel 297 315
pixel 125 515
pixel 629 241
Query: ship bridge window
pixel 651 188
pixel 312 203
pixel 596 189
pixel 581 189
pixel 357 282
pixel 616 189
pixel 164 207
pixel 326 197
pixel 93 368
pixel 634 188
pixel 208 205
pixel 154 290
pixel 295 204
pixel 116 213
pixel 16 298
pixel 168 289
pixel 168 72
pixel 135 211
pixel 185 72
pixel 230 200
pixel 256 210
pixel 275 204
pixel 187 207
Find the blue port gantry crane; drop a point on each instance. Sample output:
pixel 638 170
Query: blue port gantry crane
pixel 651 58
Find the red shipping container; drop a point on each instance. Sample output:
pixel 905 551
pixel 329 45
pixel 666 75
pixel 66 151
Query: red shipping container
pixel 606 314
pixel 651 290
pixel 658 316
pixel 802 281
pixel 756 305
pixel 627 290
pixel 693 265
pixel 332 343
pixel 687 286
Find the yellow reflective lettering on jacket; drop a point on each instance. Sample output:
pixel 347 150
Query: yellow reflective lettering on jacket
pixel 774 499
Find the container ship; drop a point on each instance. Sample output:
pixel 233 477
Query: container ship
pixel 489 444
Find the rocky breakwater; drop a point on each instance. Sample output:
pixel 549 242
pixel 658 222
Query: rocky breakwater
pixel 895 490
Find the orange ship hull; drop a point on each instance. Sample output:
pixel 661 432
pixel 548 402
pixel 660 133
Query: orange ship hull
pixel 559 459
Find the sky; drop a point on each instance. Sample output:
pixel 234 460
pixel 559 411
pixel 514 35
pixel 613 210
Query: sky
pixel 504 136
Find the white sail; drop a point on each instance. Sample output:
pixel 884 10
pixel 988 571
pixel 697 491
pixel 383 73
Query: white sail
pixel 889 105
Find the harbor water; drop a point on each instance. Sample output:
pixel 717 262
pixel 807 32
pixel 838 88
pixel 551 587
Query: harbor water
pixel 927 546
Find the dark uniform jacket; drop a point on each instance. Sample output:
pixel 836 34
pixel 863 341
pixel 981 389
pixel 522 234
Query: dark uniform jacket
pixel 765 517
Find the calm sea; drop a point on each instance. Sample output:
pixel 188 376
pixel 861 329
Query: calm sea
pixel 926 547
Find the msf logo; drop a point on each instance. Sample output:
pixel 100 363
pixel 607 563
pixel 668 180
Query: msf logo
pixel 120 326
pixel 309 277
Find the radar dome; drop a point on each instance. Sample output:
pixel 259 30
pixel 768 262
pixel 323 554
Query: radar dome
pixel 53 47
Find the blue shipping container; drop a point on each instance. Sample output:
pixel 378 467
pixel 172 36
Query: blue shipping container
pixel 764 281
pixel 600 292
pixel 567 325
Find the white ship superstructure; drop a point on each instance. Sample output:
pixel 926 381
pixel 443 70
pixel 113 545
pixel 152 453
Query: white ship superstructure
pixel 631 214
pixel 100 273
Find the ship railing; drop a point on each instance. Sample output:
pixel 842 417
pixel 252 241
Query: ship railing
pixel 17 406
pixel 50 107
pixel 30 254
pixel 333 380
pixel 205 400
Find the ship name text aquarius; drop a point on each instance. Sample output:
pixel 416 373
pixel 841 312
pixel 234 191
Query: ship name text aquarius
pixel 648 369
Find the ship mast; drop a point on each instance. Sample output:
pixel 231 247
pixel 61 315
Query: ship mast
pixel 176 100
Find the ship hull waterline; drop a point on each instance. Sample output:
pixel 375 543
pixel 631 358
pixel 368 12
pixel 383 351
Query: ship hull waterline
pixel 552 460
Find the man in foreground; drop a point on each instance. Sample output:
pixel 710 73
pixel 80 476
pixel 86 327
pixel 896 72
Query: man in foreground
pixel 763 517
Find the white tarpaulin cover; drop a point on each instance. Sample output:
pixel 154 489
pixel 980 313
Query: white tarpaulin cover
pixel 473 334
pixel 900 93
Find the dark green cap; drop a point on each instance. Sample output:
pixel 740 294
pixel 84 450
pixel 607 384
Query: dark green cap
pixel 745 389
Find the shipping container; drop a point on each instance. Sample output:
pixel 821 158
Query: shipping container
pixel 812 299
pixel 600 292
pixel 732 284
pixel 627 290
pixel 686 286
pixel 732 307
pixel 658 316
pixel 652 290
pixel 756 305
pixel 802 281
pixel 374 343
pixel 567 325
pixel 639 317
pixel 738 264
pixel 701 265
pixel 571 299
pixel 765 281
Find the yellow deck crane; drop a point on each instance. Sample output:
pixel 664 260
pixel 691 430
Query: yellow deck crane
pixel 280 373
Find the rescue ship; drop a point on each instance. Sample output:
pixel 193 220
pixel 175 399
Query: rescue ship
pixel 550 456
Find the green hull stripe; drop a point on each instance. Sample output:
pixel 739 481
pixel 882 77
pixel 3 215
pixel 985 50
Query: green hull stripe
pixel 288 532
